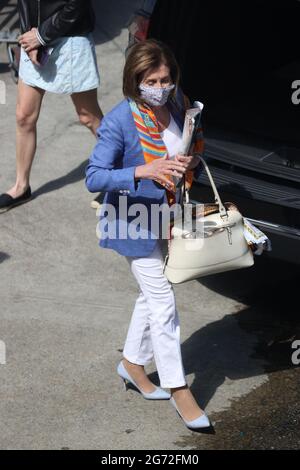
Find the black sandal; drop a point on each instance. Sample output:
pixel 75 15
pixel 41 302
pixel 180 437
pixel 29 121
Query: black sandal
pixel 8 202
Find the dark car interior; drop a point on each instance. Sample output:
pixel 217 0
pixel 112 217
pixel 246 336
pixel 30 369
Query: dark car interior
pixel 241 57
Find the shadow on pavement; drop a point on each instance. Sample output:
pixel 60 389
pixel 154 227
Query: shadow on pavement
pixel 8 15
pixel 75 175
pixel 255 338
pixel 3 257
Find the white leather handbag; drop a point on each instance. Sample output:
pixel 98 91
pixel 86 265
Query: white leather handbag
pixel 218 246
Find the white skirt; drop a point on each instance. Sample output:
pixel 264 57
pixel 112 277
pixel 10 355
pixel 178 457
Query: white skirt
pixel 71 68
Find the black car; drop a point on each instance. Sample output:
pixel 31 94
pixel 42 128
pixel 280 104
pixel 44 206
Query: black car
pixel 242 60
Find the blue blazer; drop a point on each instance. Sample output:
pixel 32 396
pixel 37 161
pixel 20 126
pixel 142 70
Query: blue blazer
pixel 111 169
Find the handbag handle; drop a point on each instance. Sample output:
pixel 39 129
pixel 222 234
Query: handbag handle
pixel 185 196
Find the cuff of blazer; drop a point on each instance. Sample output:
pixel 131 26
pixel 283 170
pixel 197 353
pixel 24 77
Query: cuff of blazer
pixel 128 179
pixel 119 180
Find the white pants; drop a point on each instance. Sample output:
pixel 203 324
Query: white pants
pixel 154 331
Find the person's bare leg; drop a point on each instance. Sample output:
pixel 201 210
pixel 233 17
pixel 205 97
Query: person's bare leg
pixel 138 374
pixel 186 403
pixel 88 109
pixel 27 113
pixel 90 115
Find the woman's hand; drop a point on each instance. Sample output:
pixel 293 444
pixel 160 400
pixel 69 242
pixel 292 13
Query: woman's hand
pixel 33 57
pixel 29 41
pixel 159 169
pixel 190 162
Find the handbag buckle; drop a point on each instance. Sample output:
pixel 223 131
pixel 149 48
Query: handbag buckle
pixel 229 233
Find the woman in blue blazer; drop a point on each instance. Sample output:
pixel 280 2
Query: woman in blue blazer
pixel 132 162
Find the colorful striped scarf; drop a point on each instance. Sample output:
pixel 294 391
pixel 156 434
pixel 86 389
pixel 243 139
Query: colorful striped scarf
pixel 153 145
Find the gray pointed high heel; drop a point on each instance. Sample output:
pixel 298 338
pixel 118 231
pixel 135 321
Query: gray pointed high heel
pixel 157 394
pixel 198 423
